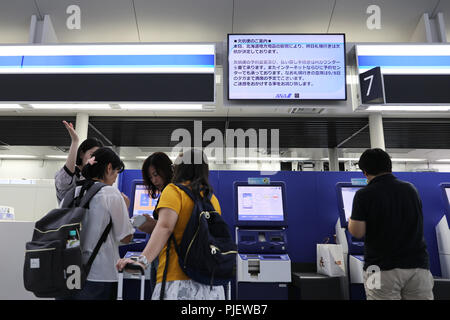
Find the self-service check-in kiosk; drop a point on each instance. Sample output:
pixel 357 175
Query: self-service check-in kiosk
pixel 353 248
pixel 263 265
pixel 443 234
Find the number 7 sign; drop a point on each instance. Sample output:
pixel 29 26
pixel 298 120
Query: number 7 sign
pixel 372 86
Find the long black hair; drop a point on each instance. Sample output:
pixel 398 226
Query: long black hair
pixel 163 166
pixel 103 157
pixel 87 144
pixel 192 166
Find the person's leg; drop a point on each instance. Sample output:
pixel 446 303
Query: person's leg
pixel 383 286
pixel 189 290
pixel 419 285
pixel 193 290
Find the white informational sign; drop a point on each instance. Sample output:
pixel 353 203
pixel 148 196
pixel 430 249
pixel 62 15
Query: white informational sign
pixel 286 67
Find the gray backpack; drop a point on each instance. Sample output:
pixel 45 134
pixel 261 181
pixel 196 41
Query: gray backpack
pixel 53 268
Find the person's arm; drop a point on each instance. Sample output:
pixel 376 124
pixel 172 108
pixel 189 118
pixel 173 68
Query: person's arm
pixel 72 157
pixel 163 229
pixel 357 222
pixel 357 228
pixel 127 239
pixel 114 202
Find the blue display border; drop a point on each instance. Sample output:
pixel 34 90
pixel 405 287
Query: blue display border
pixel 339 187
pixel 250 223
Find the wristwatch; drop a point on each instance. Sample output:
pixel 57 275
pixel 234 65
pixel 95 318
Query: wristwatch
pixel 143 259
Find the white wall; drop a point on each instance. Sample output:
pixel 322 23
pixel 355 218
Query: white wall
pixel 30 201
pixel 13 236
pixel 29 169
pixel 40 169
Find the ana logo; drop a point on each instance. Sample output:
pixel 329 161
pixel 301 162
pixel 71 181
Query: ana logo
pixel 283 96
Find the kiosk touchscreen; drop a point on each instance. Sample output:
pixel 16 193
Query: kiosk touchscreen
pixel 346 192
pixel 260 205
pixel 141 202
pixel 445 187
pixel 443 233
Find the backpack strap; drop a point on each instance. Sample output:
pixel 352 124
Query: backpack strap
pixel 166 267
pixel 68 199
pixel 91 190
pixel 189 191
pixel 102 239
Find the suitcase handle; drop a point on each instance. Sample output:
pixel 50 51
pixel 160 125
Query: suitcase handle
pixel 132 266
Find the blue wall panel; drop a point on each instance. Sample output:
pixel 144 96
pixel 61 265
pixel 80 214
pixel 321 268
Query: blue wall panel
pixel 312 204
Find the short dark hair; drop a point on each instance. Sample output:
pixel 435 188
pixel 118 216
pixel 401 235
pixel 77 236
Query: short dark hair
pixel 103 157
pixel 87 144
pixel 189 168
pixel 375 161
pixel 163 166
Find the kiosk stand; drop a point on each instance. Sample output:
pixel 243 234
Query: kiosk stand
pixel 353 248
pixel 263 265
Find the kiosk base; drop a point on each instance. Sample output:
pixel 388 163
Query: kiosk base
pixel 262 291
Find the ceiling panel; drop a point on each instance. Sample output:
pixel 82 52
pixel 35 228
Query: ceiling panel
pixel 211 20
pixel 280 16
pixel 184 21
pixel 311 132
pixel 101 20
pixel 444 7
pixel 399 19
pixel 15 17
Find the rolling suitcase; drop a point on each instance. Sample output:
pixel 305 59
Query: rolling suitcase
pixel 140 271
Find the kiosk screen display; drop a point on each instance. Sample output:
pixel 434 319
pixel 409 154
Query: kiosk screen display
pixel 447 192
pixel 143 203
pixel 260 203
pixel 348 193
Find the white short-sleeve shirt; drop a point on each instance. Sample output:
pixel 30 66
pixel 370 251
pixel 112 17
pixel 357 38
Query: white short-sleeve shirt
pixel 107 203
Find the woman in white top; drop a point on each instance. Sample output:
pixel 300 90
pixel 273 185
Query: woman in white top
pixel 107 205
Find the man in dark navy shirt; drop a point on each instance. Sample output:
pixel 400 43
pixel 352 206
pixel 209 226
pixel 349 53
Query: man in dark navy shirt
pixel 388 213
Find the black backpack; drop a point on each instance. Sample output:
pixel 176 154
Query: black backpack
pixel 207 252
pixel 51 270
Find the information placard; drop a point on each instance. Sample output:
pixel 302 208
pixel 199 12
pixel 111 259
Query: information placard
pixel 286 67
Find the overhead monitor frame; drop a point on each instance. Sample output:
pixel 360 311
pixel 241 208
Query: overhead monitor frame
pixel 258 223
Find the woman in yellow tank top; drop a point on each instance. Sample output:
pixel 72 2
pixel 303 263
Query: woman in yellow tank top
pixel 174 210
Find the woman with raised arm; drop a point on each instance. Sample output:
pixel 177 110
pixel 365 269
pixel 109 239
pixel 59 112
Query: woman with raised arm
pixel 67 177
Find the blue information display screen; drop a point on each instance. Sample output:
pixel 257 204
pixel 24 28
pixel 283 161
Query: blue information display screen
pixel 143 203
pixel 260 203
pixel 286 67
